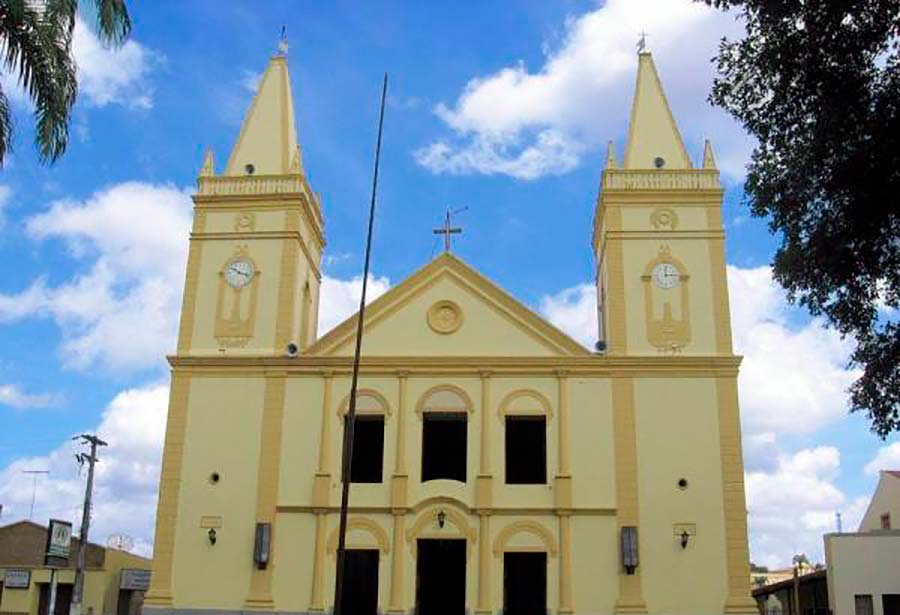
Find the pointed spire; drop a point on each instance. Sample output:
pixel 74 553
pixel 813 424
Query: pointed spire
pixel 267 144
pixel 209 164
pixel 709 161
pixel 611 162
pixel 653 137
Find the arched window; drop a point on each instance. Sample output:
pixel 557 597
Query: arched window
pixel 525 414
pixel 444 411
pixel 368 435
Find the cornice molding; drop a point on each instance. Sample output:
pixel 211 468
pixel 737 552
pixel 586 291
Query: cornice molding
pixel 600 365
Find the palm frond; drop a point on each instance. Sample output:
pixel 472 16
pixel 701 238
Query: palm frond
pixel 37 48
pixel 5 127
pixel 113 21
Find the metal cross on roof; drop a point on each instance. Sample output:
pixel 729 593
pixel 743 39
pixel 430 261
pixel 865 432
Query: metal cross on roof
pixel 642 42
pixel 282 41
pixel 448 228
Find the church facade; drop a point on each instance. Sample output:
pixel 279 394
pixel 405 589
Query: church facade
pixel 499 466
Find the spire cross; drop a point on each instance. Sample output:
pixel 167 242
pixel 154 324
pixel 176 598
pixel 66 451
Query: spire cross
pixel 282 41
pixel 642 42
pixel 448 229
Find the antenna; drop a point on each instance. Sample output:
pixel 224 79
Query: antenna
pixel 34 477
pixel 837 518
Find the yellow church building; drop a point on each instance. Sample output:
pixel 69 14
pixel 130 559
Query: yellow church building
pixel 499 466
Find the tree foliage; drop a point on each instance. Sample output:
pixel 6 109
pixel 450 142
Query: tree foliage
pixel 36 49
pixel 816 82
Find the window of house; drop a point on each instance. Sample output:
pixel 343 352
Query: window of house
pixel 863 604
pixel 886 521
pixel 444 445
pixel 368 449
pixel 526 450
pixel 890 604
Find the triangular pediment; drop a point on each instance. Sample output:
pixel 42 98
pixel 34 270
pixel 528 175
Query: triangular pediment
pixel 448 309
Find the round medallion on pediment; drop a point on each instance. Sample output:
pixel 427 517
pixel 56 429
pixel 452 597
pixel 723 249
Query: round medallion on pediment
pixel 444 317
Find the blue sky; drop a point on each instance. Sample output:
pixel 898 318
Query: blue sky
pixel 503 111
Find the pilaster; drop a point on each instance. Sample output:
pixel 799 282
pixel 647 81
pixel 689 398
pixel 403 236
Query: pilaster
pixel 484 564
pixel 484 481
pixel 260 592
pixel 631 598
pixel 736 547
pixel 322 480
pixel 317 599
pixel 161 590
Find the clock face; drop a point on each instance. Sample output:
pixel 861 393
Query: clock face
pixel 238 273
pixel 665 275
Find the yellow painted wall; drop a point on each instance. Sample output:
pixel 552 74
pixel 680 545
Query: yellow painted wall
pixel 885 500
pixel 101 586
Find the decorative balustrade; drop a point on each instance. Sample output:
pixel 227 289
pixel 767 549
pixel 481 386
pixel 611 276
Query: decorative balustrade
pixel 246 185
pixel 661 179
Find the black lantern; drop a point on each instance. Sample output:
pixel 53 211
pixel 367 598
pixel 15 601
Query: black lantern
pixel 684 539
pixel 212 535
pixel 441 516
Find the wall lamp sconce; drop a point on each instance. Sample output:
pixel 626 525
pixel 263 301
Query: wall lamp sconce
pixel 212 535
pixel 685 537
pixel 441 517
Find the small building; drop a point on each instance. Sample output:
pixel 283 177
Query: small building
pixel 884 508
pixel 864 566
pixel 114 582
pixel 805 595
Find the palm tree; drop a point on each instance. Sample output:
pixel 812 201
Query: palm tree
pixel 36 49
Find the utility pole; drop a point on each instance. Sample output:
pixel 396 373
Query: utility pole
pixel 34 477
pixel 350 419
pixel 91 459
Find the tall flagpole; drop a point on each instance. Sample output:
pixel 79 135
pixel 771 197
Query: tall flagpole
pixel 347 456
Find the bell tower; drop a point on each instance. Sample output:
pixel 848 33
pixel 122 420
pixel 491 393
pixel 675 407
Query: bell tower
pixel 658 238
pixel 253 274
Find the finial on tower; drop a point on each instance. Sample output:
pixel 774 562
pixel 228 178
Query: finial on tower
pixel 611 162
pixel 282 42
pixel 209 165
pixel 709 161
pixel 642 42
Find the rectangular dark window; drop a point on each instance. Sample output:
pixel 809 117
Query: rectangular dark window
pixel 444 446
pixel 862 604
pixel 890 604
pixel 886 521
pixel 526 450
pixel 368 449
pixel 524 584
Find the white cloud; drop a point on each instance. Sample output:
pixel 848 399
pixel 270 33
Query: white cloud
pixel 106 75
pixel 112 75
pixel 339 299
pixel 127 476
pixel 14 397
pixel 574 310
pixel 793 505
pixel 794 378
pixel 5 196
pixel 250 80
pixel 887 458
pixel 121 311
pixel 528 124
